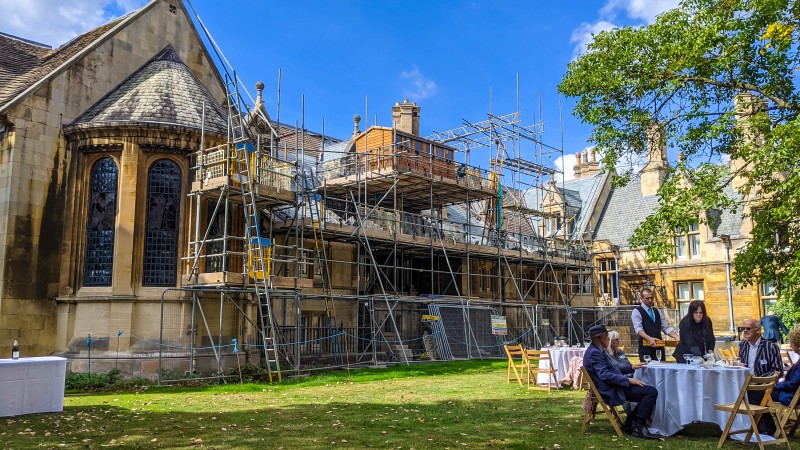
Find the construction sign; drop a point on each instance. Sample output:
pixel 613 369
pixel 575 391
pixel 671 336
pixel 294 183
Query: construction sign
pixel 499 326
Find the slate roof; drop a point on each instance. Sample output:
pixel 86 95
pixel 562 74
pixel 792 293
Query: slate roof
pixel 580 195
pixel 335 151
pixel 310 142
pixel 23 64
pixel 165 92
pixel 626 208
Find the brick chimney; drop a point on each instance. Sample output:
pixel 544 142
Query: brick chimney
pixel 746 107
pixel 591 166
pixel 405 117
pixel 653 174
pixel 577 168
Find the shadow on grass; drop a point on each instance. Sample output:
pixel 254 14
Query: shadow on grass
pixel 527 421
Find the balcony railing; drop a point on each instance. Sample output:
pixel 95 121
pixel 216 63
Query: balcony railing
pixel 421 225
pixel 404 160
pixel 267 171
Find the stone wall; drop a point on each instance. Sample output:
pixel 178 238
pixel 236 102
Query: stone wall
pixel 35 162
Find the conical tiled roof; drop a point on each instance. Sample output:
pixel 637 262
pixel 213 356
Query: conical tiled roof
pixel 164 91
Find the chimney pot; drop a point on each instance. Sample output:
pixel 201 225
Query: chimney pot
pixel 405 117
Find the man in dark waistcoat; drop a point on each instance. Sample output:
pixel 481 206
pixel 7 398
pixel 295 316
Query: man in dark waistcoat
pixel 648 324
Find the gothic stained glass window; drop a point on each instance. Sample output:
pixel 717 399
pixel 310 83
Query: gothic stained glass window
pixel 102 214
pixel 161 225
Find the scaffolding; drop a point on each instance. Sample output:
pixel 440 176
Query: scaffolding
pixel 385 246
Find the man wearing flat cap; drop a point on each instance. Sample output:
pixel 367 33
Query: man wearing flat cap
pixel 616 388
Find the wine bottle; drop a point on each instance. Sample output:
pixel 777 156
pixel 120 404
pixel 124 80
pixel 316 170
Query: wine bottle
pixel 15 350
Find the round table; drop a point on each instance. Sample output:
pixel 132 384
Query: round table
pixel 688 393
pixel 561 357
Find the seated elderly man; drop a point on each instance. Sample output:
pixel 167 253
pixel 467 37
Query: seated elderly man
pixel 616 388
pixel 763 358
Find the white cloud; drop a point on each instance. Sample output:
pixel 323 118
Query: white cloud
pixel 644 10
pixel 418 87
pixel 631 161
pixel 584 35
pixel 55 22
pixel 567 160
pixel 618 11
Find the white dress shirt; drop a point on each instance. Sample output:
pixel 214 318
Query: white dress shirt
pixel 636 318
pixel 751 355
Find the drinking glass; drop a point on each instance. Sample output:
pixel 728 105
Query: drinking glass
pixel 646 358
pixel 658 355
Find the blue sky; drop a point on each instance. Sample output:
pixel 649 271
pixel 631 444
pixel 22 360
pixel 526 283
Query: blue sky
pixel 445 55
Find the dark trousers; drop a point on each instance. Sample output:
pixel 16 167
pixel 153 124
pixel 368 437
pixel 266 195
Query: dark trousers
pixel 766 425
pixel 645 397
pixel 646 350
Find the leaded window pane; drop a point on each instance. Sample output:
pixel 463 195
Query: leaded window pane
pixel 99 259
pixel 161 229
pixel 697 291
pixel 694 245
pixel 680 247
pixel 683 291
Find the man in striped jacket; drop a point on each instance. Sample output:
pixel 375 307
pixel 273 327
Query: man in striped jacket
pixel 763 358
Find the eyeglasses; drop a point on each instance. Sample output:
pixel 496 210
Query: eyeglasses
pixel 750 328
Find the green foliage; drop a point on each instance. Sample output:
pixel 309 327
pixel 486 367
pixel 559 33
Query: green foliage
pixel 424 406
pixel 789 312
pixel 96 382
pixel 681 76
pixel 250 373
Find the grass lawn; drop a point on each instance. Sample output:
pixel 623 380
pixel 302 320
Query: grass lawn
pixel 436 406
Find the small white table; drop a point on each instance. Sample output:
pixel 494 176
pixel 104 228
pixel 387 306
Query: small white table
pixel 687 393
pixel 32 385
pixel 561 357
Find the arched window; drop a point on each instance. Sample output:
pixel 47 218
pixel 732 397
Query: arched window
pixel 102 214
pixel 161 227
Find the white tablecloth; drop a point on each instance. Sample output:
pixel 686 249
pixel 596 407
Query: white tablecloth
pixel 32 385
pixel 688 393
pixel 561 357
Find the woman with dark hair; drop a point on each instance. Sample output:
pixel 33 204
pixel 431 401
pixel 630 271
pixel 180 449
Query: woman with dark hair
pixel 696 332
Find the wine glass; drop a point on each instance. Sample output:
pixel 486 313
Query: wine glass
pixel 646 359
pixel 658 355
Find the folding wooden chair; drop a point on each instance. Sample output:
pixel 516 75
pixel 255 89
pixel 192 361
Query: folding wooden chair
pixel 594 398
pixel 516 362
pixel 727 355
pixel 753 412
pixel 789 416
pixel 735 351
pixel 786 359
pixel 537 356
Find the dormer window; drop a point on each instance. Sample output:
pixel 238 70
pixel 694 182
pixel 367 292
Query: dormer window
pixel 687 241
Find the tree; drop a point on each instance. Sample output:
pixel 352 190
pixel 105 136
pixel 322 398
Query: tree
pixel 719 79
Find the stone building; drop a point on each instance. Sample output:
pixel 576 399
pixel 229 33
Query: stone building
pixel 115 161
pixel 94 173
pixel 699 267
